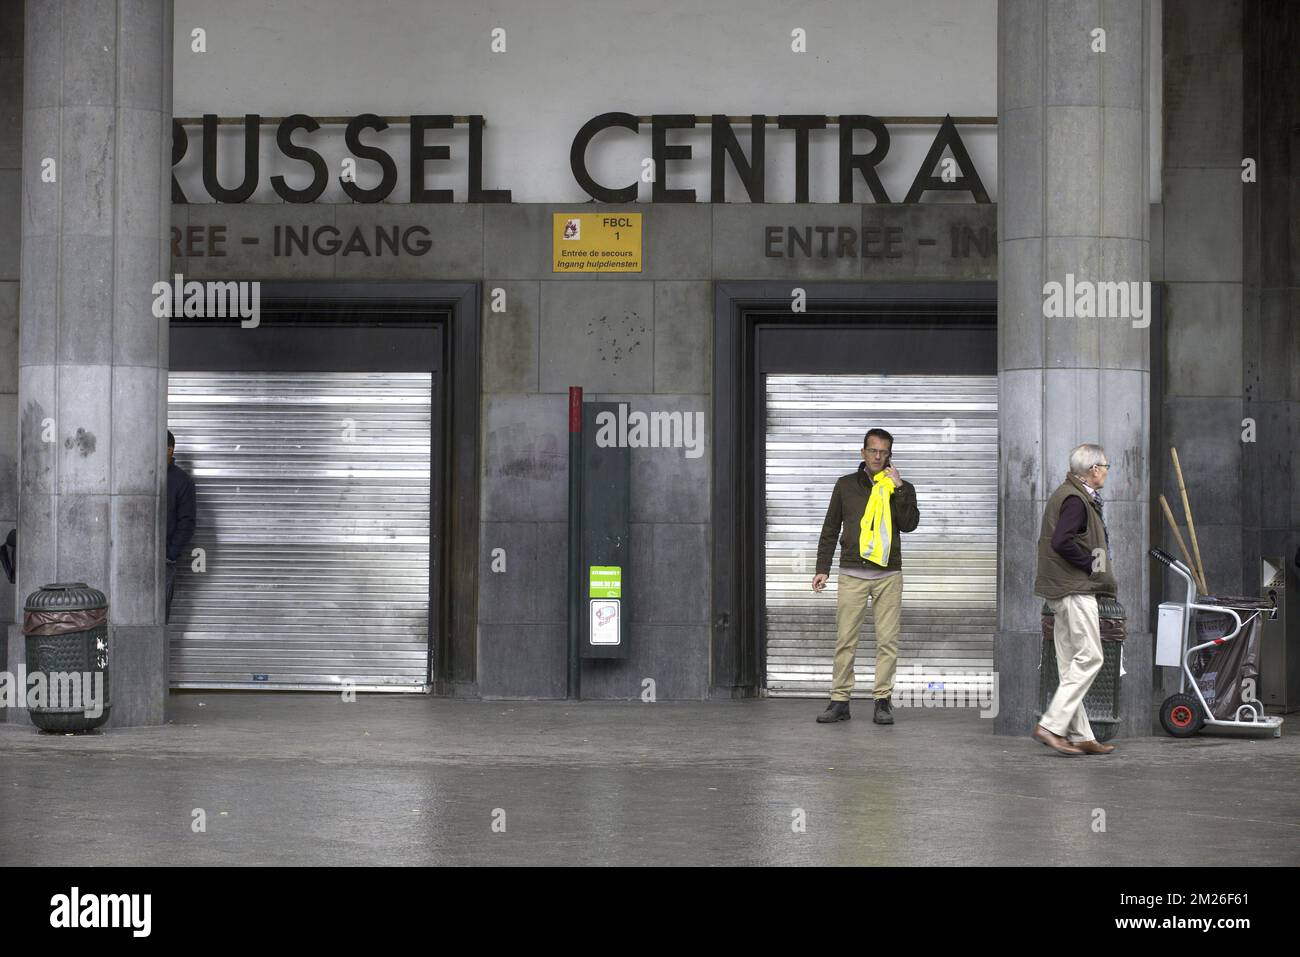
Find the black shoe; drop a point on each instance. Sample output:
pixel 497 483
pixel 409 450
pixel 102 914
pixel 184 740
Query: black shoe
pixel 884 712
pixel 835 711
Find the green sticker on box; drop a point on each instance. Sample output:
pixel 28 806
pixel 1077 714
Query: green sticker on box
pixel 606 581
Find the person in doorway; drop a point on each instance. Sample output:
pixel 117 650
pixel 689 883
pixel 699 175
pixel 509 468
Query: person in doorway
pixel 1073 568
pixel 871 506
pixel 180 516
pixel 9 556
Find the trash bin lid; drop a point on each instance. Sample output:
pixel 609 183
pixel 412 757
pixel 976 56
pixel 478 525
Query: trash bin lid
pixel 1108 606
pixel 65 596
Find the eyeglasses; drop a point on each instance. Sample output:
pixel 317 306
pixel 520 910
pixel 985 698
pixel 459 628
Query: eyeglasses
pixel 1102 465
pixel 876 453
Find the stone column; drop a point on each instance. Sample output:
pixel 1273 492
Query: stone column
pixel 1072 199
pixel 93 359
pixel 11 147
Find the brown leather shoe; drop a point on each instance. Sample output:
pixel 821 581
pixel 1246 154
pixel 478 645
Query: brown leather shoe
pixel 1054 741
pixel 1093 747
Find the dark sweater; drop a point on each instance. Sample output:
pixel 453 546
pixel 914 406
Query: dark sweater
pixel 180 510
pixel 1072 523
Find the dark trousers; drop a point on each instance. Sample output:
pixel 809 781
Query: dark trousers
pixel 171 588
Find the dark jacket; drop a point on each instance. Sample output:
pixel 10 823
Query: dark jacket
pixel 1072 529
pixel 180 511
pixel 848 503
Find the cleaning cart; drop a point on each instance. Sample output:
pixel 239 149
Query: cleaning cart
pixel 1220 664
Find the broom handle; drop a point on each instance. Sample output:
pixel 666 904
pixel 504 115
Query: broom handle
pixel 1191 527
pixel 1178 537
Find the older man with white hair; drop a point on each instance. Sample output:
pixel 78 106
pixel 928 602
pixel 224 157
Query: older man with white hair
pixel 1073 569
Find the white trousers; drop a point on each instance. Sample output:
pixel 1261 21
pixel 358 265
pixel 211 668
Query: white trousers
pixel 1077 636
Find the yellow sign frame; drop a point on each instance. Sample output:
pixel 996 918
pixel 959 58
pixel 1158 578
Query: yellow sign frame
pixel 596 242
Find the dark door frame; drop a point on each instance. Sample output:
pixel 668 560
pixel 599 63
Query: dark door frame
pixel 740 310
pixel 450 311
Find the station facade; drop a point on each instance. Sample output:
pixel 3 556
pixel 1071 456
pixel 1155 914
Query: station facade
pixel 381 450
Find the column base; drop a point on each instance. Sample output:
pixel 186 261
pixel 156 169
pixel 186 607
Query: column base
pixel 138 674
pixel 15 657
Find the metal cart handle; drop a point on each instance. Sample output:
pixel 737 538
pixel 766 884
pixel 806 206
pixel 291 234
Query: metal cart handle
pixel 1178 568
pixel 1223 610
pixel 1162 556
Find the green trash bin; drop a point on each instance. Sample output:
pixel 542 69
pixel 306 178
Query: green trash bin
pixel 1102 700
pixel 66 631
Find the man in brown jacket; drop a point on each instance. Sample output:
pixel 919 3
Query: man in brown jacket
pixel 1073 568
pixel 861 578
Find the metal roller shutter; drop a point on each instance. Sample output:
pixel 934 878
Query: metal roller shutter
pixel 313 511
pixel 945 433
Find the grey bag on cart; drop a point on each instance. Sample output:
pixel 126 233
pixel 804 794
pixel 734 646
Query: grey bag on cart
pixel 1225 672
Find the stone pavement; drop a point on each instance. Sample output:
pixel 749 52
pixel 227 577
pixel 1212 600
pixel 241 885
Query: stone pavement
pixel 397 779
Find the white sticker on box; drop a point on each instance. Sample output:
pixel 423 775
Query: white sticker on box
pixel 605 621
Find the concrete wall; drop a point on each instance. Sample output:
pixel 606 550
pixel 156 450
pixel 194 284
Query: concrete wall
pixel 1270 337
pixel 1202 225
pixel 11 151
pixel 561 331
pixel 1232 343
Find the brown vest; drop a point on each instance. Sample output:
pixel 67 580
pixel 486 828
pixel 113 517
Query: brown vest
pixel 1057 577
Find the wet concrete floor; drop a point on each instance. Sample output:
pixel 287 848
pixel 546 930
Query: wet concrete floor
pixel 305 779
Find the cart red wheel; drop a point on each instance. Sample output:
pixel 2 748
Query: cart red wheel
pixel 1181 715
